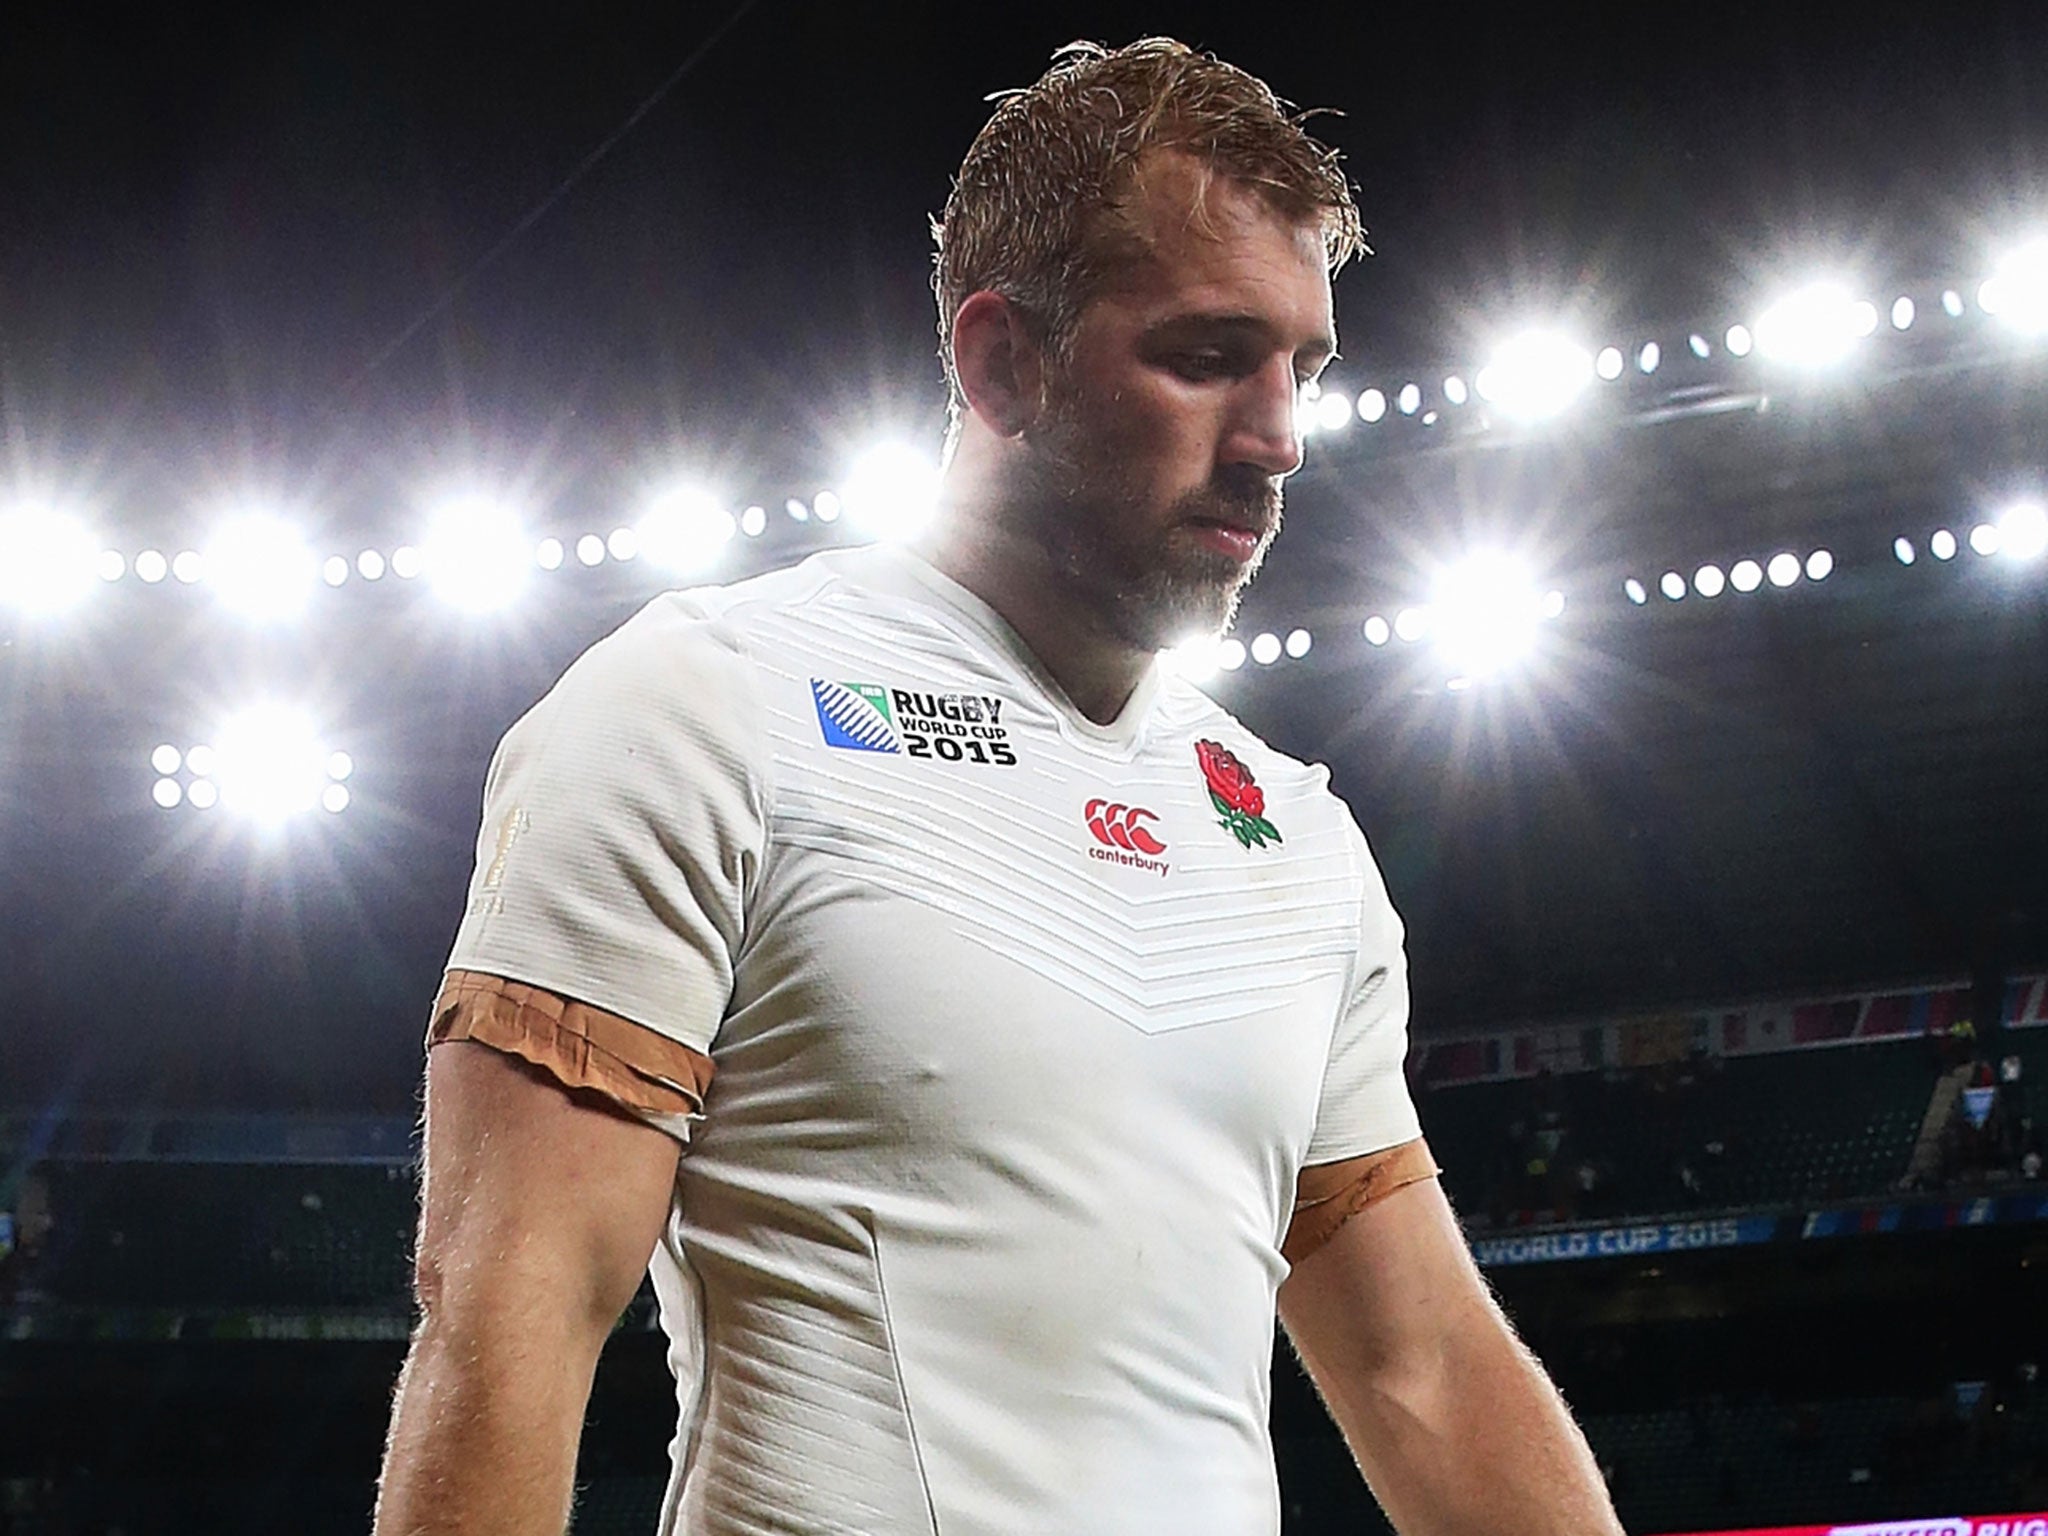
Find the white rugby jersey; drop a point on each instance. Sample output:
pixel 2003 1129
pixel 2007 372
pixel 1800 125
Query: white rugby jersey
pixel 1024 1027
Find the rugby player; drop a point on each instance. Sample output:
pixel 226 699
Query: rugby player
pixel 984 1033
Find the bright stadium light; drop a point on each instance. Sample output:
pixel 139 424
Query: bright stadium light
pixel 1941 544
pixel 1411 624
pixel 547 554
pixel 1745 576
pixel 189 566
pixel 1783 569
pixel 1609 363
pixel 590 549
pixel 1815 326
pixel 1902 313
pixel 684 531
pixel 1699 346
pixel 1635 591
pixel 1709 581
pixel 1333 412
pixel 166 759
pixel 2017 290
pixel 167 793
pixel 1298 643
pixel 623 544
pixel 1536 375
pixel 1672 585
pixel 1484 614
pixel 370 565
pixel 1820 565
pixel 407 562
pixel 48 561
pixel 1984 539
pixel 1230 654
pixel 1739 340
pixel 1648 359
pixel 260 569
pixel 1265 649
pixel 1902 548
pixel 475 554
pixel 1372 406
pixel 1952 303
pixel 1378 631
pixel 334 570
pixel 754 522
pixel 1196 660
pixel 111 565
pixel 1409 401
pixel 1455 391
pixel 893 492
pixel 203 795
pixel 2023 532
pixel 269 764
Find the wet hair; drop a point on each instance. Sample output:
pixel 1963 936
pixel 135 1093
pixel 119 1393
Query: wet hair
pixel 1038 211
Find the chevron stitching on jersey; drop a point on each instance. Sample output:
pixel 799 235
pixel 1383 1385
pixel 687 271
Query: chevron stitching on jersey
pixel 854 716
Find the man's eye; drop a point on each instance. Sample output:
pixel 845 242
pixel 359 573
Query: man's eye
pixel 1202 365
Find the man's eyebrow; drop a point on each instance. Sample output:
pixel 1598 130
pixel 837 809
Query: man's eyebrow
pixel 1236 322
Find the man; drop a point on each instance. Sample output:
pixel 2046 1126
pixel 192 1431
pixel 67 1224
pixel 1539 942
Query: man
pixel 1047 1017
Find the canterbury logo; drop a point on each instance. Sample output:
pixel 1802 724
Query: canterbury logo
pixel 1117 825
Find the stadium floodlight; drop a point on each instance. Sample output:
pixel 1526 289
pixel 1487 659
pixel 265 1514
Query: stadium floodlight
pixel 1745 576
pixel 407 562
pixel 1783 569
pixel 1484 614
pixel 1815 326
pixel 1672 585
pixel 826 506
pixel 684 531
pixel 1902 313
pixel 590 549
pixel 1409 401
pixel 334 799
pixel 188 566
pixel 204 795
pixel 1298 643
pixel 111 565
pixel 547 554
pixel 1378 631
pixel 339 766
pixel 475 554
pixel 261 569
pixel 1941 544
pixel 1902 548
pixel 1536 375
pixel 754 522
pixel 48 561
pixel 1701 347
pixel 167 793
pixel 1411 624
pixel 2023 532
pixel 1372 406
pixel 1265 649
pixel 1984 539
pixel 1820 565
pixel 1739 340
pixel 166 759
pixel 1230 654
pixel 2017 290
pixel 1635 591
pixel 269 765
pixel 1648 359
pixel 1952 303
pixel 334 570
pixel 1196 659
pixel 1609 363
pixel 1709 581
pixel 623 543
pixel 370 565
pixel 1333 411
pixel 1454 390
pixel 893 492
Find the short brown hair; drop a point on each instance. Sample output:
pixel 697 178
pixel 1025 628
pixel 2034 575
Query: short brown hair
pixel 1031 215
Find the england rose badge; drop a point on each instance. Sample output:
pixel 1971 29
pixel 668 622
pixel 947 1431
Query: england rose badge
pixel 1239 801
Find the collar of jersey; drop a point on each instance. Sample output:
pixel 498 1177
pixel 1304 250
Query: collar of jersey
pixel 923 581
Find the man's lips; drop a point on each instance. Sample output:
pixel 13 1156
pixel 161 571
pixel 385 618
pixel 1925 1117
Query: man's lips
pixel 1236 540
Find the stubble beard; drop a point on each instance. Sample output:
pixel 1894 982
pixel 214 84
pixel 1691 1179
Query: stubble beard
pixel 1141 578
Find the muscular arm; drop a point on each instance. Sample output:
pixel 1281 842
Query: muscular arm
pixel 540 1210
pixel 1452 1420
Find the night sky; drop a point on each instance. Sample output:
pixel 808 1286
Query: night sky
pixel 331 260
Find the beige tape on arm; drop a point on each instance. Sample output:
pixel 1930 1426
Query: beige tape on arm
pixel 1330 1194
pixel 579 1046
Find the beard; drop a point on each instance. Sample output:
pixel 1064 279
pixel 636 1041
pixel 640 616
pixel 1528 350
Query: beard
pixel 1139 573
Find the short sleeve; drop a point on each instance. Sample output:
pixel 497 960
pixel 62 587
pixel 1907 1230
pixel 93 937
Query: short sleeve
pixel 623 829
pixel 1365 1105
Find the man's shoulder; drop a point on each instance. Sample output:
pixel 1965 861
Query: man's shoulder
pixel 1185 710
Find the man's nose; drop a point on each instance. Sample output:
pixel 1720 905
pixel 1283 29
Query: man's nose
pixel 1266 432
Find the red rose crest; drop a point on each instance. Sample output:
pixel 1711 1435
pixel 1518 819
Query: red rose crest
pixel 1236 795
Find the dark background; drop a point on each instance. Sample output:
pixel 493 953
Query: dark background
pixel 283 254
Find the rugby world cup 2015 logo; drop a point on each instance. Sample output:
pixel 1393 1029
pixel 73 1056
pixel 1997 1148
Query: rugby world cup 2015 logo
pixel 855 716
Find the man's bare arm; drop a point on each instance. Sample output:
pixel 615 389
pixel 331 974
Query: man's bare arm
pixel 1452 1420
pixel 540 1211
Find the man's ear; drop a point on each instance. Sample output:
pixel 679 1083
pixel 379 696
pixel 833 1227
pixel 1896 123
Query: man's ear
pixel 1000 367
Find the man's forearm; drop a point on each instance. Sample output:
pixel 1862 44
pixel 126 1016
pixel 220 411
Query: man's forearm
pixel 1475 1442
pixel 483 1434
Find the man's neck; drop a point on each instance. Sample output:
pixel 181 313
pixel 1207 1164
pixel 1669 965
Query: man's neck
pixel 1018 579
